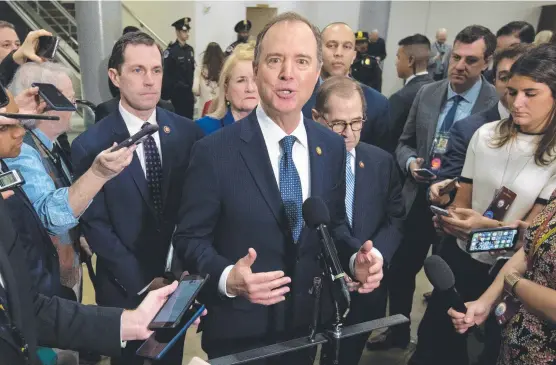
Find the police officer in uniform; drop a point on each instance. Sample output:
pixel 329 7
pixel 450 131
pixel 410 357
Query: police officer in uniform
pixel 365 68
pixel 242 29
pixel 179 68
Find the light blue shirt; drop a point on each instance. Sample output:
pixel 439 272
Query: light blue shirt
pixel 51 204
pixel 463 110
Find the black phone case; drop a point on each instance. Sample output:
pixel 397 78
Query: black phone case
pixel 143 133
pixel 54 98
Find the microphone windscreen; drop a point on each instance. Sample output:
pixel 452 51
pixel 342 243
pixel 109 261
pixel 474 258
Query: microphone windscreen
pixel 315 212
pixel 439 273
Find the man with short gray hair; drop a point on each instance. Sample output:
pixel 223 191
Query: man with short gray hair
pixel 244 226
pixel 377 46
pixel 439 56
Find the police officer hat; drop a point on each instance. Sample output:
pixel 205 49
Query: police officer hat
pixel 182 24
pixel 361 36
pixel 243 26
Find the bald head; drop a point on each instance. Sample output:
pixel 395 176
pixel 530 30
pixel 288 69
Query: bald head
pixel 441 35
pixel 338 49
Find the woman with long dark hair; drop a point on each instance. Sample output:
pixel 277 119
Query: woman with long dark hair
pixel 528 279
pixel 205 83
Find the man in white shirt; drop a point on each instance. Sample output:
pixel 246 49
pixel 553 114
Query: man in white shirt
pixel 243 226
pixel 130 222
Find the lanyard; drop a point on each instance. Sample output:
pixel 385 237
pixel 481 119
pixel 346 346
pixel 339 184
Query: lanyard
pixel 57 160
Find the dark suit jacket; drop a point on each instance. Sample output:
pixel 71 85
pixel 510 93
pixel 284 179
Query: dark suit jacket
pixel 460 136
pixel 376 128
pixel 379 212
pixel 400 104
pixel 130 239
pixel 51 322
pixel 237 205
pixel 420 128
pixel 108 107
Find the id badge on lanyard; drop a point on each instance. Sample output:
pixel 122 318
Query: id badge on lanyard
pixel 439 147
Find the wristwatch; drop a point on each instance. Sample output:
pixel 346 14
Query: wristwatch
pixel 510 281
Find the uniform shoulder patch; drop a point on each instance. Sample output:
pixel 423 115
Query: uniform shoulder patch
pixel 166 53
pixel 367 61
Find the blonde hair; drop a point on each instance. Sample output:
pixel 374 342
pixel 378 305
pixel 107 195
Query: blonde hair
pixel 242 52
pixel 544 36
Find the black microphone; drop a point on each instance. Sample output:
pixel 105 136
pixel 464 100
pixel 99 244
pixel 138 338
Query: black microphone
pixel 442 278
pixel 317 216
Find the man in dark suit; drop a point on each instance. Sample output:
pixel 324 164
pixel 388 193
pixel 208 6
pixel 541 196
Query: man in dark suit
pixel 243 223
pixel 338 52
pixel 374 204
pixel 435 109
pixel 28 319
pixel 461 133
pixel 108 107
pixel 130 223
pixel 411 65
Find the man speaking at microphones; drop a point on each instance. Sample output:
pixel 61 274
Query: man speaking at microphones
pixel 374 205
pixel 243 224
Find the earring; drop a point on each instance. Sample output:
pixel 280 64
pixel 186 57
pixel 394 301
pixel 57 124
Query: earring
pixel 227 103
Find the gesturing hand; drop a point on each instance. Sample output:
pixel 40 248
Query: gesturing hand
pixel 368 268
pixel 265 288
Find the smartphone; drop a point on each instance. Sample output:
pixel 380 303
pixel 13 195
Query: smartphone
pixel 179 302
pixel 29 116
pixel 449 187
pixel 138 137
pixel 4 99
pixel 439 211
pixel 11 180
pixel 156 346
pixel 425 173
pixel 54 98
pixel 496 239
pixel 48 45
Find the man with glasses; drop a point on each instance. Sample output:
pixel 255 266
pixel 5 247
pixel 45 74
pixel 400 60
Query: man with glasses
pixel 374 205
pixel 338 51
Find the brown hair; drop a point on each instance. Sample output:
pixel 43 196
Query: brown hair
pixel 341 86
pixel 284 17
pixel 539 64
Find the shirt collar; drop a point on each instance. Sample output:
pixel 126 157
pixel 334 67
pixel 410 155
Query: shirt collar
pixel 503 111
pixel 133 123
pixel 272 133
pixel 43 138
pixel 469 95
pixel 415 75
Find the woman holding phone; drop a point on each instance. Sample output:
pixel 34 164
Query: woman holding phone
pixel 509 174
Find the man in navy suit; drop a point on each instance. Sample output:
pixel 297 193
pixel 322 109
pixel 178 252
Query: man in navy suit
pixel 338 50
pixel 243 223
pixel 374 204
pixel 129 224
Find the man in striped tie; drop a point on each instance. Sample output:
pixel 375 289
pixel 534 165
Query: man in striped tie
pixel 371 177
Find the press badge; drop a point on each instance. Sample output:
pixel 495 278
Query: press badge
pixel 440 145
pixel 503 199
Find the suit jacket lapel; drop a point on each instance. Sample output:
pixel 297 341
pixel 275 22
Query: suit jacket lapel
pixel 166 146
pixel 435 102
pixel 134 169
pixel 362 188
pixel 255 155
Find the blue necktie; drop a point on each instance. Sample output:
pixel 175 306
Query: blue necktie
pixel 153 169
pixel 449 119
pixel 290 187
pixel 350 189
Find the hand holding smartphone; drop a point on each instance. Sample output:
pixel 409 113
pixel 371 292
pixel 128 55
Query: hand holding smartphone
pixel 138 137
pixel 440 211
pixel 448 188
pixel 54 98
pixel 496 239
pixel 425 173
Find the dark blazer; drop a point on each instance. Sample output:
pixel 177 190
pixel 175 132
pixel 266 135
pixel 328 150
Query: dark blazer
pixel 460 136
pixel 376 128
pixel 130 239
pixel 420 128
pixel 51 322
pixel 400 104
pixel 237 205
pixel 108 107
pixel 379 210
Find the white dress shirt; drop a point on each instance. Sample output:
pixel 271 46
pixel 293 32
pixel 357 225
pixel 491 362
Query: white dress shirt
pixel 503 111
pixel 414 76
pixel 272 134
pixel 134 125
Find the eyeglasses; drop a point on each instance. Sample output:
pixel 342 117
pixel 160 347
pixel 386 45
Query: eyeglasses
pixel 339 126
